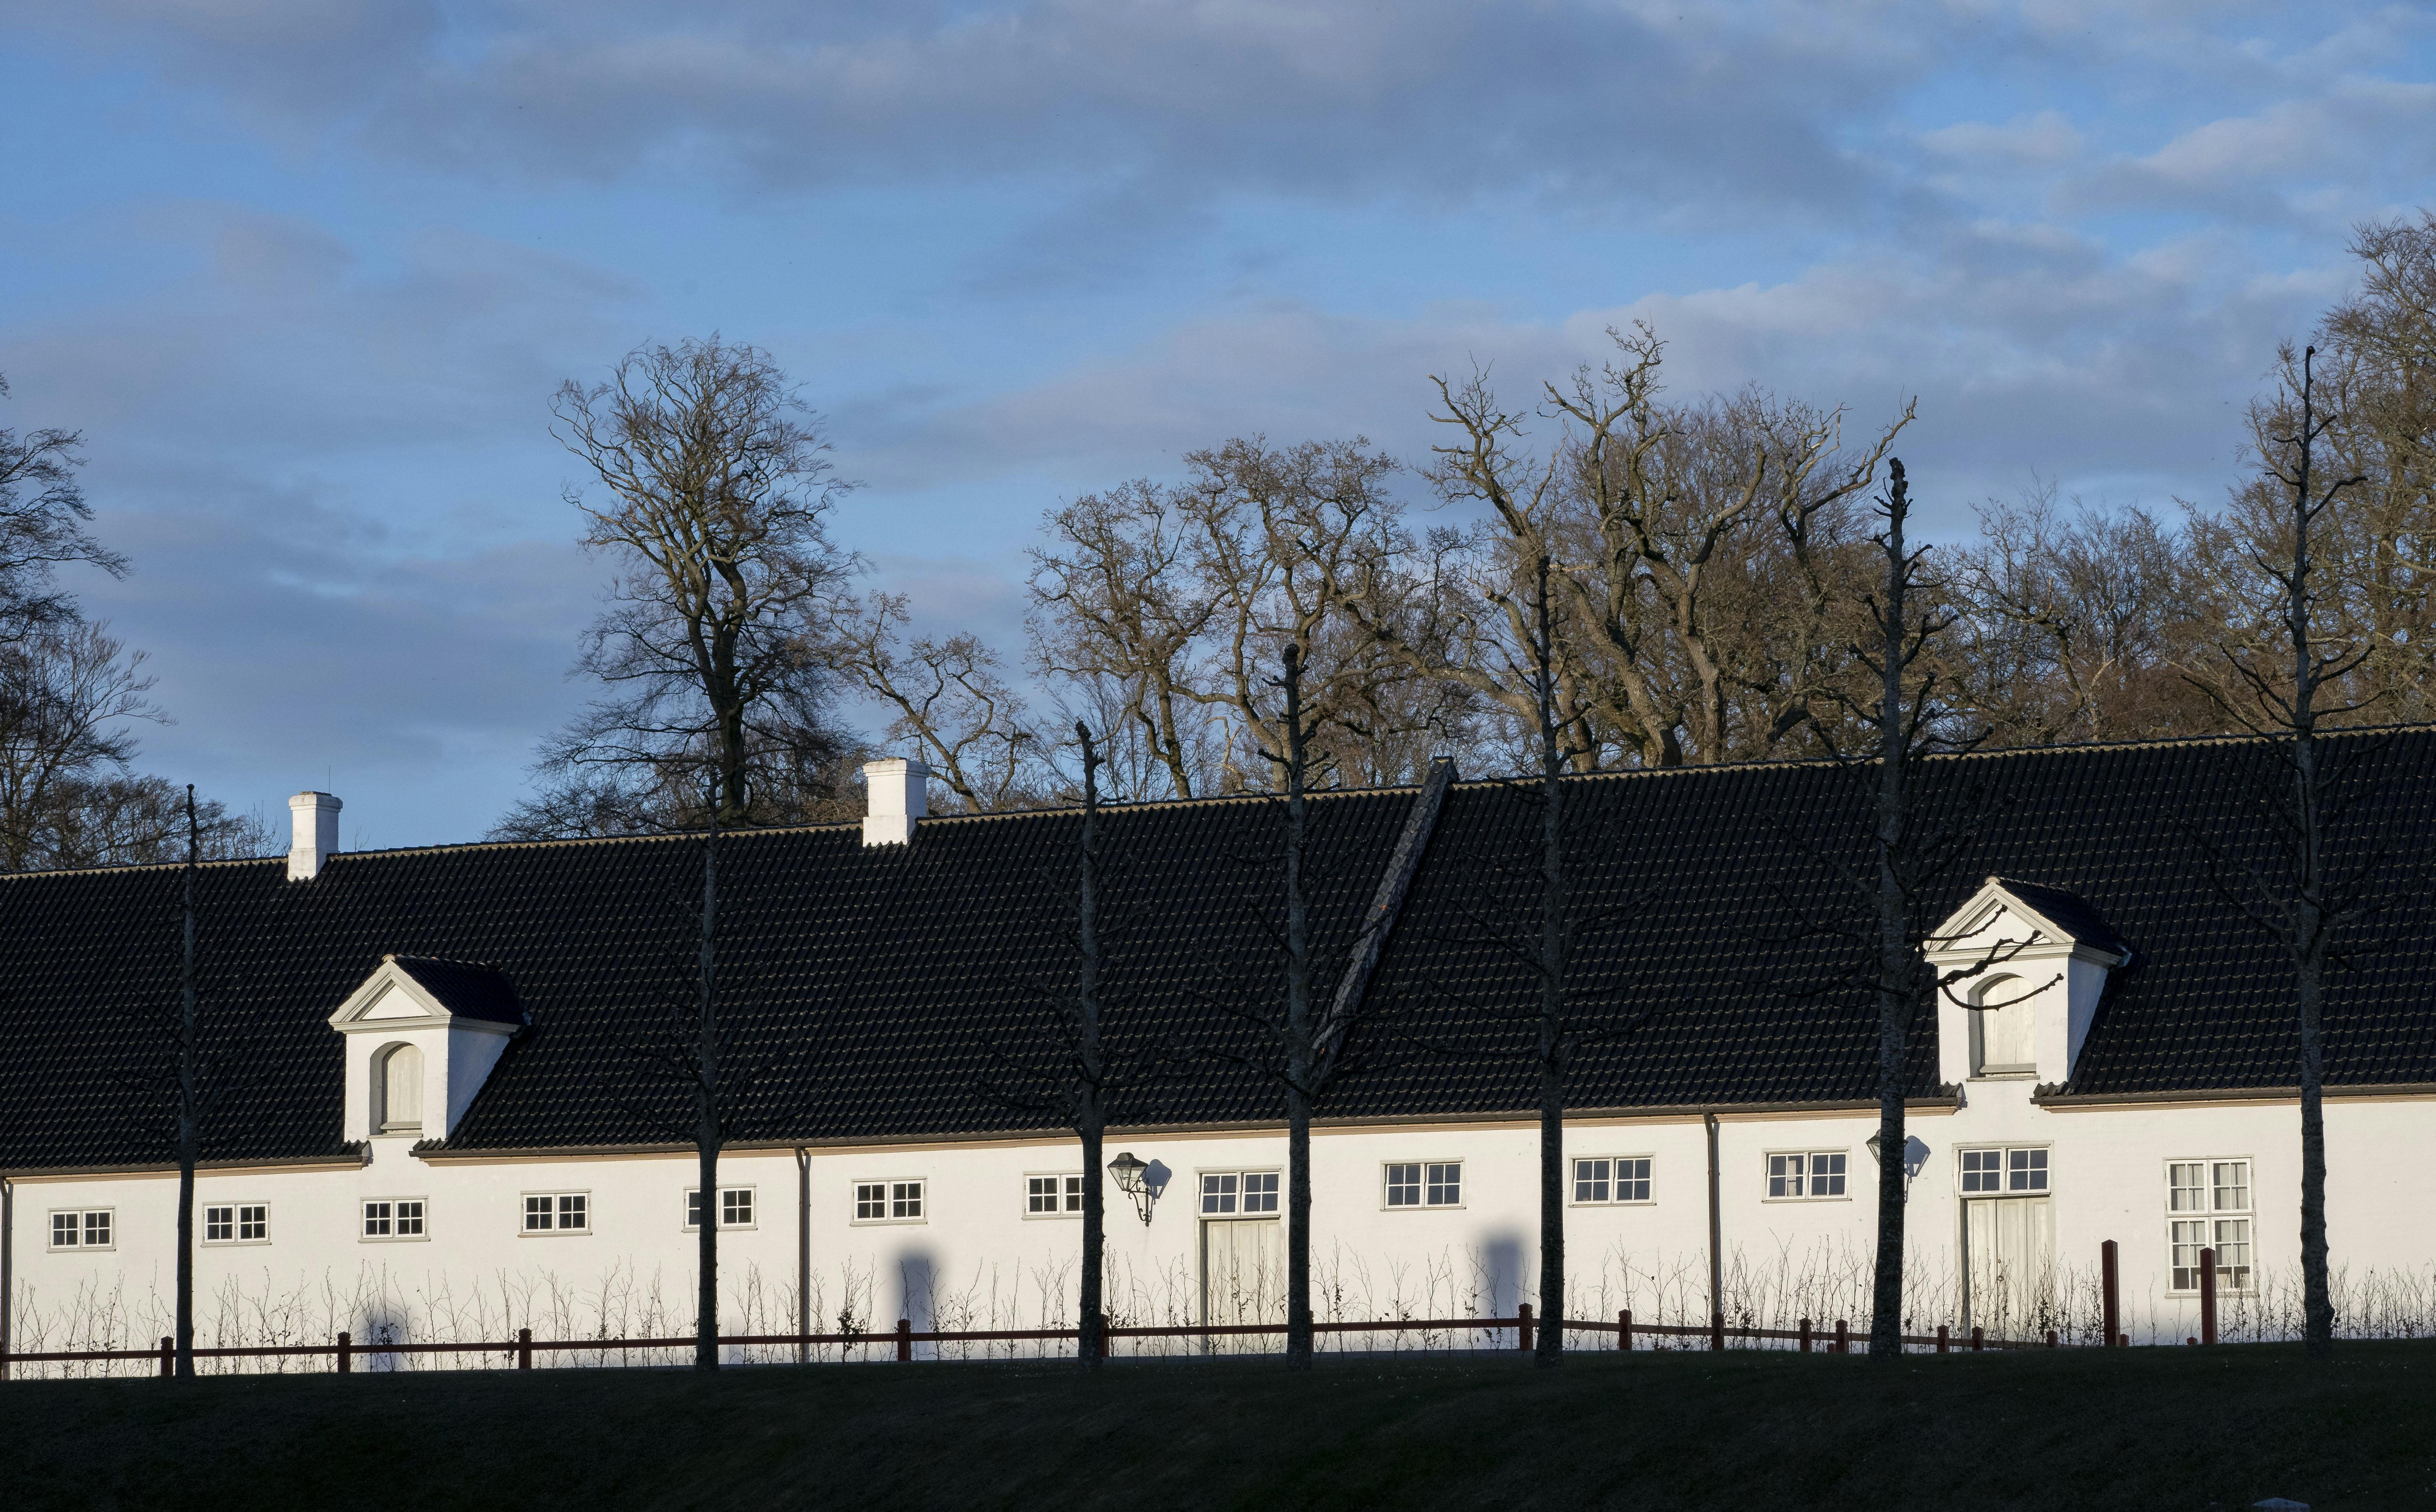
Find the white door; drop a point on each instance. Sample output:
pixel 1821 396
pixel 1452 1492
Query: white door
pixel 1244 1280
pixel 2009 1253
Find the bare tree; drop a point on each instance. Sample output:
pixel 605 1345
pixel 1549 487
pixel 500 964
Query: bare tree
pixel 1117 610
pixel 2285 675
pixel 714 493
pixel 972 728
pixel 192 1102
pixel 42 514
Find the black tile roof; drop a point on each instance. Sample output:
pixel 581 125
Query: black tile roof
pixel 2068 911
pixel 467 989
pixel 881 992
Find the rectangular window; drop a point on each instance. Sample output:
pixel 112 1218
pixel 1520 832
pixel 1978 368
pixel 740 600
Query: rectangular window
pixel 558 1212
pixel 1055 1196
pixel 394 1218
pixel 1811 1173
pixel 219 1226
pixel 2208 1206
pixel 242 1223
pixel 1990 1171
pixel 735 1208
pixel 1611 1179
pixel 889 1202
pixel 1424 1183
pixel 89 1228
pixel 1238 1193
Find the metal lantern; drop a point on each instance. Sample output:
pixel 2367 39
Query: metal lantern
pixel 1129 1172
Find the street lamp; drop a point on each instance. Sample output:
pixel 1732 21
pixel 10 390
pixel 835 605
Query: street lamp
pixel 1129 1173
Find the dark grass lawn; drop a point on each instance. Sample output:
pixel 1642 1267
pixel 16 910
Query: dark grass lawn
pixel 2140 1428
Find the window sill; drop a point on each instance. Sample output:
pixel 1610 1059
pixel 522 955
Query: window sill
pixel 393 1239
pixel 1424 1207
pixel 1636 1202
pixel 724 1228
pixel 1052 1217
pixel 83 1249
pixel 554 1233
pixel 884 1223
pixel 1797 1201
pixel 234 1244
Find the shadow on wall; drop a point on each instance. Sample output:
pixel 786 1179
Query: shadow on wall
pixel 917 1277
pixel 1501 1272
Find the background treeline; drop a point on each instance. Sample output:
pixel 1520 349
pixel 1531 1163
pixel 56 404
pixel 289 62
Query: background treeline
pixel 72 695
pixel 1712 576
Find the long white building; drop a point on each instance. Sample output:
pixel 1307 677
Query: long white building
pixel 439 1105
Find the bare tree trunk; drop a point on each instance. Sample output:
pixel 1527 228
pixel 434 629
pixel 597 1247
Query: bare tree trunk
pixel 1301 1058
pixel 1091 1122
pixel 2309 923
pixel 707 1132
pixel 189 1114
pixel 1554 1046
pixel 1898 963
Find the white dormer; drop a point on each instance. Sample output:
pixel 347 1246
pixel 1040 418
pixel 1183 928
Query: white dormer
pixel 422 1034
pixel 2045 954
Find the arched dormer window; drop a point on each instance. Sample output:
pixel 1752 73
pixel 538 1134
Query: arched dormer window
pixel 2004 1040
pixel 397 1090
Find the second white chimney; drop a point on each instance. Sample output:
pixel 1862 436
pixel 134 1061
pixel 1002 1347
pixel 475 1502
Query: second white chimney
pixel 314 834
pixel 900 795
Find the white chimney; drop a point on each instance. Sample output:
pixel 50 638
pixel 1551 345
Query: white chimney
pixel 900 795
pixel 314 834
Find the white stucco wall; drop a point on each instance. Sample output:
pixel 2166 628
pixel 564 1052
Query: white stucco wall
pixel 976 1260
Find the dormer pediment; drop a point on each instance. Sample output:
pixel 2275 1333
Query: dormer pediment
pixel 2029 963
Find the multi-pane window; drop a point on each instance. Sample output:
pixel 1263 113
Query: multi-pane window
pixel 1612 1178
pixel 243 1222
pixel 735 1207
pixel 90 1228
pixel 1991 1171
pixel 394 1218
pixel 1424 1183
pixel 558 1212
pixel 1807 1174
pixel 1238 1193
pixel 1051 1196
pixel 888 1202
pixel 2208 1206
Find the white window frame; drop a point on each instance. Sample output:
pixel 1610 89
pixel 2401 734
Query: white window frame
pixel 2011 1167
pixel 753 1199
pixel 236 1221
pixel 2011 993
pixel 1236 1199
pixel 84 1217
pixel 1574 1182
pixel 1428 1180
pixel 558 1207
pixel 1067 1194
pixel 892 1197
pixel 1810 1174
pixel 2211 1216
pixel 421 1218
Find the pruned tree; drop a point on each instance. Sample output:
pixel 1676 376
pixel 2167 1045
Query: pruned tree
pixel 713 495
pixel 2286 674
pixel 949 700
pixel 1083 1067
pixel 1913 847
pixel 194 1099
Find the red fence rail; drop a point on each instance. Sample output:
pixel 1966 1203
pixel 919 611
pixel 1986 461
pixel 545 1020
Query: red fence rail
pixel 343 1351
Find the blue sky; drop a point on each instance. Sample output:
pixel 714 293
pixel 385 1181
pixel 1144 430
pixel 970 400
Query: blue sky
pixel 305 272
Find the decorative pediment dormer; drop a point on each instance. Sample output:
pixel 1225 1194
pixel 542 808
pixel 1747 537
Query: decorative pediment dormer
pixel 2044 956
pixel 422 1034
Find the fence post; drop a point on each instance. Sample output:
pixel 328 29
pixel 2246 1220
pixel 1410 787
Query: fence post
pixel 524 1348
pixel 1978 1338
pixel 169 1357
pixel 2111 1282
pixel 1805 1335
pixel 1716 1332
pixel 1843 1342
pixel 2051 1338
pixel 1522 1325
pixel 2207 1297
pixel 905 1339
pixel 346 1352
pixel 1624 1329
pixel 1941 1338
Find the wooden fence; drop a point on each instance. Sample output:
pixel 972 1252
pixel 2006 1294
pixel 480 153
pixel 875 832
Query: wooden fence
pixel 1496 1333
